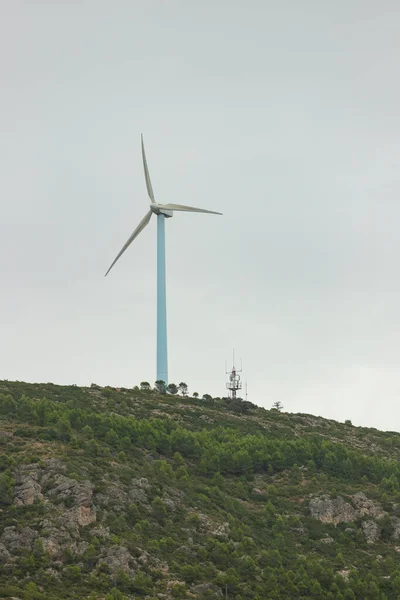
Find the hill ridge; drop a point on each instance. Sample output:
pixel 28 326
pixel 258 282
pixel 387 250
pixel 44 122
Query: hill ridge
pixel 116 492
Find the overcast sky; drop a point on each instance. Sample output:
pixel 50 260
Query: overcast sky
pixel 282 115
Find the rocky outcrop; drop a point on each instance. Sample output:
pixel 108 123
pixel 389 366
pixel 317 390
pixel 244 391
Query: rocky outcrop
pixel 54 537
pixel 339 511
pixel 366 507
pixel 78 548
pixel 51 546
pixel 49 528
pixel 27 486
pixel 211 527
pixel 138 491
pixel 114 497
pixel 206 419
pixel 56 540
pixel 221 531
pixel 118 558
pixel 78 516
pixel 77 492
pixel 371 531
pixel 103 533
pixel 17 539
pixel 48 483
pixel 55 465
pixel 327 540
pixel 170 504
pixel 332 511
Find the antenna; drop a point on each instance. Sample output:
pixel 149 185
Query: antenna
pixel 234 384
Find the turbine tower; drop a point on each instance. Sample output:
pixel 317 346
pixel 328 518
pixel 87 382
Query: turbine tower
pixel 163 211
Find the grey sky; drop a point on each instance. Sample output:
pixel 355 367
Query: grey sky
pixel 282 115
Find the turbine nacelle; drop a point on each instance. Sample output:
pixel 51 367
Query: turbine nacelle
pixel 159 209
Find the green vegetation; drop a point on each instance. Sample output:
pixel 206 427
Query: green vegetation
pixel 138 493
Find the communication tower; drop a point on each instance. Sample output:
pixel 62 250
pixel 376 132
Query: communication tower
pixel 234 384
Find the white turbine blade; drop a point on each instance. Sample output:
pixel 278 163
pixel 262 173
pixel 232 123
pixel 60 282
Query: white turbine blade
pixel 134 235
pixel 184 208
pixel 147 174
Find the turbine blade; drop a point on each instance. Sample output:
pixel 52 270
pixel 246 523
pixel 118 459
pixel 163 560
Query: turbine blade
pixel 147 174
pixel 134 235
pixel 184 208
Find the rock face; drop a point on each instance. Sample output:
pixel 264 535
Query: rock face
pixel 371 531
pixel 66 489
pixel 118 558
pixel 366 507
pixel 115 497
pixel 79 515
pixel 71 506
pixel 56 538
pixel 338 511
pixel 46 482
pixel 35 483
pixel 27 488
pixel 78 548
pixel 51 546
pixel 332 511
pixel 101 532
pixel 18 539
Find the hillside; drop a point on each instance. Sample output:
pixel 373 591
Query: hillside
pixel 128 493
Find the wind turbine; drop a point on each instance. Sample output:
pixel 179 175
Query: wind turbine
pixel 163 211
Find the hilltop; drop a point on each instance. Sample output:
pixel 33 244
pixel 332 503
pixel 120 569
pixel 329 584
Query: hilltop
pixel 128 493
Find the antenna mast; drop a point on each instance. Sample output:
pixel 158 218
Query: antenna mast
pixel 234 384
